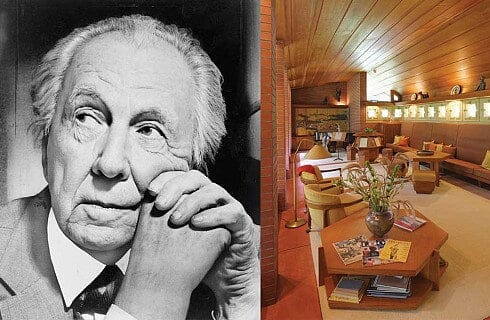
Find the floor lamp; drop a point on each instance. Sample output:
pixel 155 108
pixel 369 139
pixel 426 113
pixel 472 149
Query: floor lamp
pixel 316 153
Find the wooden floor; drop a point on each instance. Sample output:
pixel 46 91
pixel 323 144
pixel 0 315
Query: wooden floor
pixel 298 297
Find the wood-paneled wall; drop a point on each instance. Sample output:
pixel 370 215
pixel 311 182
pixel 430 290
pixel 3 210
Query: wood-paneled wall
pixel 317 95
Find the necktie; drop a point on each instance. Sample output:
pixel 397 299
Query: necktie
pixel 100 294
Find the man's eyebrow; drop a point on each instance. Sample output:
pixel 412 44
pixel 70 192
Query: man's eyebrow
pixel 85 92
pixel 150 115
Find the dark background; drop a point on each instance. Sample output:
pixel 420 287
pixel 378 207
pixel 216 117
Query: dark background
pixel 228 31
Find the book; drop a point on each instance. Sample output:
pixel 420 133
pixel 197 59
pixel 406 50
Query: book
pixel 395 250
pixel 370 253
pixel 350 289
pixel 350 250
pixel 363 142
pixel 409 223
pixel 397 287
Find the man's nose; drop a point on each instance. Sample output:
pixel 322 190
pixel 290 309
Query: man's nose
pixel 112 161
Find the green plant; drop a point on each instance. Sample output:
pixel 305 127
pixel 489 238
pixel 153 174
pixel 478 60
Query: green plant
pixel 375 188
pixel 368 130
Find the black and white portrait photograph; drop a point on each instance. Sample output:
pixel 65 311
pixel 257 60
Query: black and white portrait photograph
pixel 130 159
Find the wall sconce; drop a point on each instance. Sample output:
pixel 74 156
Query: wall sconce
pixel 372 113
pixel 385 113
pixel 470 111
pixel 486 109
pixel 454 109
pixel 398 113
pixel 441 112
pixel 431 112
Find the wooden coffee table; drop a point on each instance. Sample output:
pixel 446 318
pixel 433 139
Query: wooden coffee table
pixel 422 263
pixel 433 160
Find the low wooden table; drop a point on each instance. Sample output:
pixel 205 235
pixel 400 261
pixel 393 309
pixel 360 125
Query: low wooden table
pixel 433 160
pixel 422 263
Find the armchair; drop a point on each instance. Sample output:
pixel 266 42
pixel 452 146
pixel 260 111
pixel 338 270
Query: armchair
pixel 327 204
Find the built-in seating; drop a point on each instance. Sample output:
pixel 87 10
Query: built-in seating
pixel 471 142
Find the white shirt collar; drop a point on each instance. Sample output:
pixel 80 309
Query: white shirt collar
pixel 75 269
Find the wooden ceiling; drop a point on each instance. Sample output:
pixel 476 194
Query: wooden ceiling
pixel 404 45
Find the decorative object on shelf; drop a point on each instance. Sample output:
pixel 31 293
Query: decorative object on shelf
pixel 368 130
pixel 482 85
pixel 456 89
pixel 378 190
pixel 315 153
pixel 413 97
pixel 338 92
pixel 422 95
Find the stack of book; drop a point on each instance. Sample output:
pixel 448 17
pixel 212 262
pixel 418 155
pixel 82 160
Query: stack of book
pixel 390 287
pixel 349 289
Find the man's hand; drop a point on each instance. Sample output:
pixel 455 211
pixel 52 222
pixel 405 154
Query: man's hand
pixel 183 242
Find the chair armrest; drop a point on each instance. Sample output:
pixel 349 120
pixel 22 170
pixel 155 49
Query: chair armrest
pixel 330 170
pixel 349 199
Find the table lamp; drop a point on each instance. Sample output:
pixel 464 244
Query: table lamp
pixel 316 153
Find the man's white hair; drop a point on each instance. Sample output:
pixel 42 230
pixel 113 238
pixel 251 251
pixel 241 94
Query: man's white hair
pixel 209 118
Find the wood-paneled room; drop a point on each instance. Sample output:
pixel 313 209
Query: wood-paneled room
pixel 379 113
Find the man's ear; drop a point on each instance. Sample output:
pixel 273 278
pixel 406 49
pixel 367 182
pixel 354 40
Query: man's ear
pixel 44 159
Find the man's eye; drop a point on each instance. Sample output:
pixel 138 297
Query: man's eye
pixel 87 118
pixel 150 132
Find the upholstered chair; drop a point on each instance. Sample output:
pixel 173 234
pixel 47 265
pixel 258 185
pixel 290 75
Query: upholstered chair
pixel 327 204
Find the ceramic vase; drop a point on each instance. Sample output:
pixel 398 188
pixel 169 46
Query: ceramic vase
pixel 379 223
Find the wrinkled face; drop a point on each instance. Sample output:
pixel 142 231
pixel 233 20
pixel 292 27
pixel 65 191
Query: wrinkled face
pixel 123 117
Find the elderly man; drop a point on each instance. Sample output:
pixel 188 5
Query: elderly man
pixel 126 110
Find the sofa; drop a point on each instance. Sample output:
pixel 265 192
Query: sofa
pixel 470 140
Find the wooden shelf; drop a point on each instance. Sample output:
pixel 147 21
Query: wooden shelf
pixel 466 95
pixel 421 287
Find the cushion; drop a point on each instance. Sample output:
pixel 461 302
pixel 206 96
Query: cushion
pixel 404 141
pixel 397 139
pixel 486 162
pixel 449 149
pixel 438 147
pixel 426 144
pixel 308 176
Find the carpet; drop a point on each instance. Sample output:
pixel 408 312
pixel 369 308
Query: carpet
pixel 465 286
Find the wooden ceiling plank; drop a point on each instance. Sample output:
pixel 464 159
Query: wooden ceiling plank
pixel 433 36
pixel 427 18
pixel 472 64
pixel 472 42
pixel 370 21
pixel 389 22
pixel 333 14
pixel 313 28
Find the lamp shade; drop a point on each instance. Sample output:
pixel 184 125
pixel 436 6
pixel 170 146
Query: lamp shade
pixel 317 152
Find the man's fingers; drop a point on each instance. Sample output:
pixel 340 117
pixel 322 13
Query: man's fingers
pixel 209 196
pixel 231 216
pixel 156 184
pixel 171 190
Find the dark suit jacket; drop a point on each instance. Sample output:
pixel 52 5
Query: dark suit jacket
pixel 28 285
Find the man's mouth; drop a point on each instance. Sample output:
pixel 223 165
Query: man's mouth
pixel 116 206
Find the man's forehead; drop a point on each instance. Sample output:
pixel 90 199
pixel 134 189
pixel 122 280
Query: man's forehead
pixel 128 55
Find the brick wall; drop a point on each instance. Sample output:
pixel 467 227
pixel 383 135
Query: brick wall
pixel 280 126
pixel 268 165
pixel 356 92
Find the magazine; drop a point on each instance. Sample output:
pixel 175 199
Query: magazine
pixel 371 251
pixel 350 250
pixel 395 250
pixel 410 224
